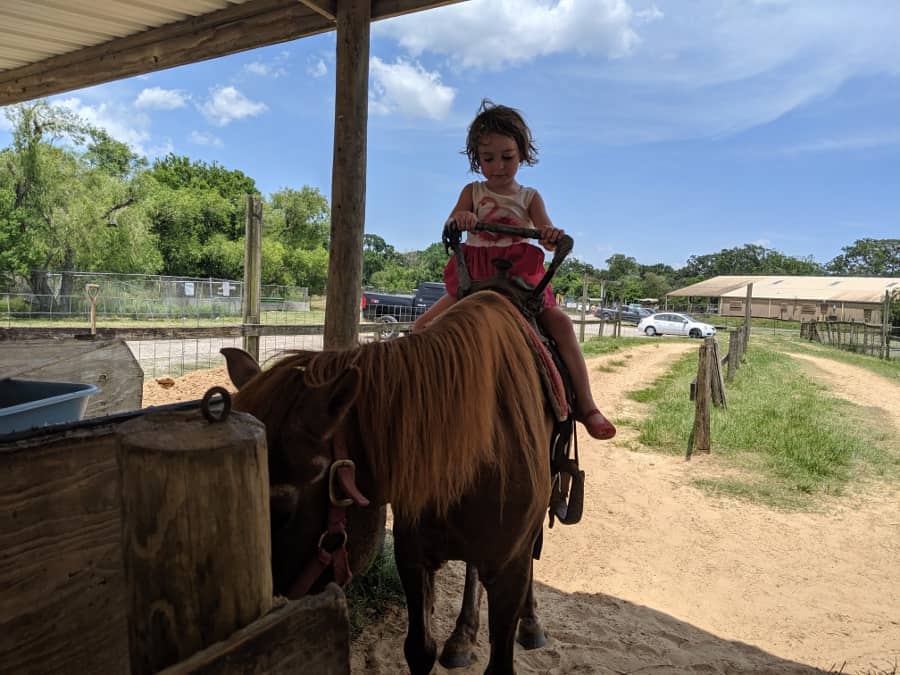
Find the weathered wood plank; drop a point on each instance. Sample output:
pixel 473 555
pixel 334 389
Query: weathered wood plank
pixel 310 635
pixel 61 575
pixel 108 364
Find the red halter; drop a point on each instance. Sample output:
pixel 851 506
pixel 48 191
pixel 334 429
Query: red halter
pixel 332 547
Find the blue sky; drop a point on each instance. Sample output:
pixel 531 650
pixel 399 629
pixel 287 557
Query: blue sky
pixel 666 129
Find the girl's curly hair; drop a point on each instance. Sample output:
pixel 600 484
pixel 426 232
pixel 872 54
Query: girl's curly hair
pixel 500 119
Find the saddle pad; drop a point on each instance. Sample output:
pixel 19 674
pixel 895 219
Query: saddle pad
pixel 553 382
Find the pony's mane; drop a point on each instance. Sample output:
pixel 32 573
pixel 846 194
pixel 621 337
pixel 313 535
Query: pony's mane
pixel 440 406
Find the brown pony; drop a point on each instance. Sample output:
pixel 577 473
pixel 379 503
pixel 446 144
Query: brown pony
pixel 448 425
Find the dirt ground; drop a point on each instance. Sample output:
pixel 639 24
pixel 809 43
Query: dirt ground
pixel 660 577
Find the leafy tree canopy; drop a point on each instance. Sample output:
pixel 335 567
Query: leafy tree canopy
pixel 868 257
pixel 749 259
pixel 299 218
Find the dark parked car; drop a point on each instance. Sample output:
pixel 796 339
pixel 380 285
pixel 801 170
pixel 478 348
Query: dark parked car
pixel 392 308
pixel 629 314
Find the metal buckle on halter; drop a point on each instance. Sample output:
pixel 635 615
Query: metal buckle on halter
pixel 332 473
pixel 332 549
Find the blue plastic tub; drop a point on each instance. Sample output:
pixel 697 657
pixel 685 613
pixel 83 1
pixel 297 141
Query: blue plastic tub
pixel 25 404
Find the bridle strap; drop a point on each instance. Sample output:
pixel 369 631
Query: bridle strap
pixel 332 547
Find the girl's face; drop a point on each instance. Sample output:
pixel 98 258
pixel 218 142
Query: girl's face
pixel 498 158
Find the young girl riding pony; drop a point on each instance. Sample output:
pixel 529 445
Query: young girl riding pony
pixel 498 143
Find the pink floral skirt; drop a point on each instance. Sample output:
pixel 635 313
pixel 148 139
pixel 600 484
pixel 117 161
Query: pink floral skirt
pixel 527 263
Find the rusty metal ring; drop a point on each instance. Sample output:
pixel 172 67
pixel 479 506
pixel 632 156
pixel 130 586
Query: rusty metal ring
pixel 226 403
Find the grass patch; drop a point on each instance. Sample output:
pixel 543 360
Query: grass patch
pixel 609 345
pixel 788 439
pixel 376 590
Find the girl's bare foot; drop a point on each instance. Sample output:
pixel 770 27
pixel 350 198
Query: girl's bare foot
pixel 597 425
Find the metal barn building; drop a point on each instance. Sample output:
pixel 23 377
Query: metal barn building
pixel 797 297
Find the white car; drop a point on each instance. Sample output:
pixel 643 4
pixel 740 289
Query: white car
pixel 670 323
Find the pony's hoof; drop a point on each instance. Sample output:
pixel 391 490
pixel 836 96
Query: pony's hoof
pixel 456 656
pixel 531 635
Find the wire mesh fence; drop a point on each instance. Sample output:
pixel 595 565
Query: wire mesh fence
pixel 134 298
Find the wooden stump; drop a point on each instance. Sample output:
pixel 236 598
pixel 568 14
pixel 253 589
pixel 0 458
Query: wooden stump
pixel 195 532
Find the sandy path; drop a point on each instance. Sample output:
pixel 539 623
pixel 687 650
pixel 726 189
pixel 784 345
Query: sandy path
pixel 659 577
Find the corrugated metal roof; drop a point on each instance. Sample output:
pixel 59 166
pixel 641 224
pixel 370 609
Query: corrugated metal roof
pixel 52 46
pixel 820 289
pixel 34 30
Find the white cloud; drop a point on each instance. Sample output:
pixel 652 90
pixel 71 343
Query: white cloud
pixel 161 149
pixel 672 69
pixel 157 98
pixel 492 34
pixel 5 124
pixel 226 104
pixel 406 87
pixel 120 122
pixel 317 69
pixel 863 142
pixel 205 138
pixel 265 69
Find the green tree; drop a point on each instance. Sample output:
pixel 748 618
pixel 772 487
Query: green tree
pixel 748 259
pixel 299 218
pixel 185 220
pixel 430 263
pixel 60 206
pixel 868 257
pixel 199 178
pixel 377 254
pixel 310 268
pixel 620 266
pixel 113 157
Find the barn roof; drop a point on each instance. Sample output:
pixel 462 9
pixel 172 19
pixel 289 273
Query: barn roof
pixel 842 289
pixel 53 46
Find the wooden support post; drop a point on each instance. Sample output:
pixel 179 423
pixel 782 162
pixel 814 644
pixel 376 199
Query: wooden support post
pixel 885 324
pixel 734 353
pixel 748 315
pixel 195 532
pixel 701 408
pixel 252 271
pixel 348 176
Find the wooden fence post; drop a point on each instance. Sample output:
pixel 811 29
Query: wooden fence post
pixel 700 435
pixel 734 353
pixel 885 322
pixel 717 383
pixel 748 315
pixel 195 532
pixel 252 271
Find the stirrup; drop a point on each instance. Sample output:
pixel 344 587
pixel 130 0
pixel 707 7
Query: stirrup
pixel 567 494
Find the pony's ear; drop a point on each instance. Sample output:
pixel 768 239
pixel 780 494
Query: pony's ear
pixel 241 366
pixel 343 392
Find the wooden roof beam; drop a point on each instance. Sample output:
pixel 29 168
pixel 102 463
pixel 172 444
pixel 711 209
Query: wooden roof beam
pixel 325 8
